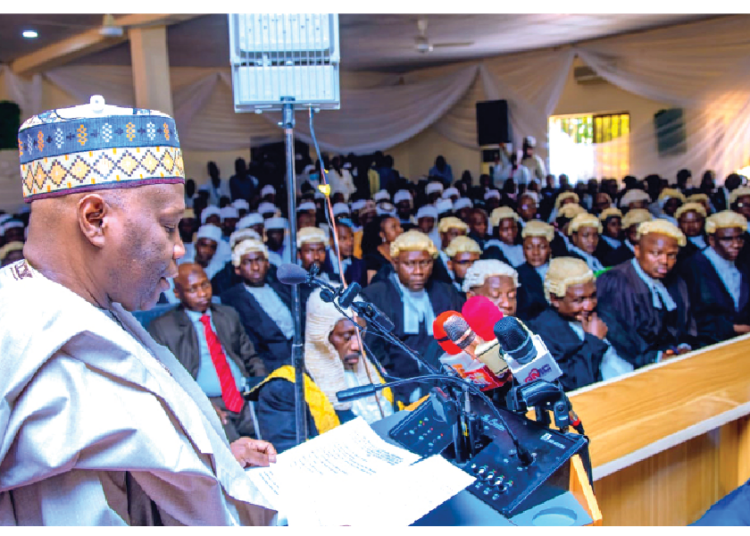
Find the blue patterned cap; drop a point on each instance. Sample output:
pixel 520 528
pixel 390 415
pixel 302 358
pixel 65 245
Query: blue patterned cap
pixel 97 146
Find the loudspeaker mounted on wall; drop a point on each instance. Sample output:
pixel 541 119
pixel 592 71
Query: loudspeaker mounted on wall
pixel 493 123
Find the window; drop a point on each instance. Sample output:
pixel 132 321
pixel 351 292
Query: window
pixel 586 146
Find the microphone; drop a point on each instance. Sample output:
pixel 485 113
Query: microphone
pixel 346 298
pixel 440 334
pixel 291 274
pixel 482 315
pixel 525 353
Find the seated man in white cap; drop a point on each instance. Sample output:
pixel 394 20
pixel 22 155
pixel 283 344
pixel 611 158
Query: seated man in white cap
pixel 403 202
pixel 356 206
pixel 537 251
pixel 570 327
pixel 503 246
pixel 412 300
pixel 334 361
pixel 584 231
pixel 444 208
pixel 491 200
pixel 227 277
pixel 462 253
pixel 211 216
pixel 433 191
pixel 427 218
pixel 462 207
pixel 242 206
pixel 210 342
pixel 382 195
pixel 306 215
pixel 279 251
pixel 263 303
pixel 496 281
pixel 719 284
pixel 136 441
pixel 645 303
pixel 268 194
pixel 268 210
pixel 669 201
pixel 452 194
pixel 207 242
pixel 229 218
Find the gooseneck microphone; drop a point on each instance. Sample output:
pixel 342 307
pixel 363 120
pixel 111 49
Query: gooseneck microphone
pixel 291 274
pixel 525 353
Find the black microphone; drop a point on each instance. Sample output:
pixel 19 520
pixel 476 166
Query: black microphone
pixel 374 315
pixel 291 274
pixel 526 354
pixel 347 296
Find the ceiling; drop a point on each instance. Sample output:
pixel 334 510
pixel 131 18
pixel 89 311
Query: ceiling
pixel 368 42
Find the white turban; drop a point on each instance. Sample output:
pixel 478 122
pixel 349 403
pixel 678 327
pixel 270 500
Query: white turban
pixel 358 204
pixel 491 193
pixel 276 223
pixel 265 208
pixel 340 208
pixel 402 195
pixel 229 212
pixel 243 234
pixel 462 203
pixel 382 195
pixel 241 204
pixel 246 246
pixel 209 231
pixel 444 205
pixel 433 188
pixel 307 205
pixel 450 192
pixel 209 211
pixel 267 189
pixel 249 220
pixel 427 212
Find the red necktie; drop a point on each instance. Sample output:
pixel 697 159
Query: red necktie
pixel 229 392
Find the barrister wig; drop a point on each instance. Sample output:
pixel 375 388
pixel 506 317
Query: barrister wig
pixel 690 207
pixel 611 212
pixel 584 220
pixel 662 227
pixel 570 211
pixel 243 234
pixel 635 216
pixel 462 244
pixel 481 270
pixel 566 195
pixel 565 272
pixel 502 213
pixel 413 240
pixel 725 220
pixel 538 228
pixel 308 235
pixel 451 222
pixel 248 246
pixel 737 193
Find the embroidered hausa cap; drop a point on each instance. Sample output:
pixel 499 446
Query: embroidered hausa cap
pixel 97 146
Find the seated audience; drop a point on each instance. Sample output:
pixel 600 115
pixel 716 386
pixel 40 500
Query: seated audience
pixel 227 276
pixel 611 250
pixel 573 332
pixel 739 202
pixel 463 208
pixel 403 202
pixel 412 300
pixel 427 217
pixel 491 200
pixel 630 224
pixel 564 198
pixel 496 281
pixel 584 231
pixel 201 335
pixel 462 253
pixel 433 190
pixel 718 284
pixel 277 241
pixel 670 200
pixel 503 246
pixel 691 218
pixel 478 224
pixel 366 214
pixel 527 207
pixel 537 237
pixel 722 199
pixel 229 218
pixel 645 303
pixel 561 243
pixel 242 206
pixel 602 201
pixel 449 228
pixel 205 251
pixel 634 199
pixel 334 361
pixel 263 303
pixel 701 199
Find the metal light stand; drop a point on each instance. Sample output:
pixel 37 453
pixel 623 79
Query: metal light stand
pixel 298 357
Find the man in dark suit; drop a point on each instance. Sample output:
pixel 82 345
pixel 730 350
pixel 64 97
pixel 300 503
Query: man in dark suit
pixel 263 303
pixel 721 199
pixel 210 342
pixel 718 283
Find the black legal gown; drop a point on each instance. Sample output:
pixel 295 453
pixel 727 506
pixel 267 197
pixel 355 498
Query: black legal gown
pixel 638 330
pixel 579 360
pixel 713 307
pixel 386 297
pixel 530 297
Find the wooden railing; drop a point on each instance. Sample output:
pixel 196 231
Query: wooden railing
pixel 669 440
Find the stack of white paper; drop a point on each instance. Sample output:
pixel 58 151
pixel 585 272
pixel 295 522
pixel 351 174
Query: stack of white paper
pixel 350 476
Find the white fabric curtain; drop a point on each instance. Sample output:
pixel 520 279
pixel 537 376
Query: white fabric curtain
pixel 26 93
pixel 702 67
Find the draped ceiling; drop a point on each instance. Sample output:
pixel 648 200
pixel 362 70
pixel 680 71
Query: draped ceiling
pixel 702 67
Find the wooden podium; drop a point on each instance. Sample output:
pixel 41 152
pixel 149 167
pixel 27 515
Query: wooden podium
pixel 670 439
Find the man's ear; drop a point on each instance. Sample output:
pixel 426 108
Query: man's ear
pixel 237 270
pixel 711 240
pixel 554 301
pixel 637 250
pixel 94 218
pixel 450 264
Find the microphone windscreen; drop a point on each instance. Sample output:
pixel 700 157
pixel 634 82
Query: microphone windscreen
pixel 482 315
pixel 455 327
pixel 438 331
pixel 513 338
pixel 291 274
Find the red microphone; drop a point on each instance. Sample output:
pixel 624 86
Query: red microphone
pixel 482 315
pixel 438 331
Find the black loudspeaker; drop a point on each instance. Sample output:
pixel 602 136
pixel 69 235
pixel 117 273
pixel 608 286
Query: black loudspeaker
pixel 493 123
pixel 10 122
pixel 670 132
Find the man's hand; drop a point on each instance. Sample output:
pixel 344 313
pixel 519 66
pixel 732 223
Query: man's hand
pixel 253 452
pixel 594 325
pixel 741 329
pixel 222 414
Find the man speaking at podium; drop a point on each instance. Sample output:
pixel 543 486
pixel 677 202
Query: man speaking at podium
pixel 99 425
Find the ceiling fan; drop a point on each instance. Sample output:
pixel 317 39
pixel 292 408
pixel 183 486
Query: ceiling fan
pixel 422 43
